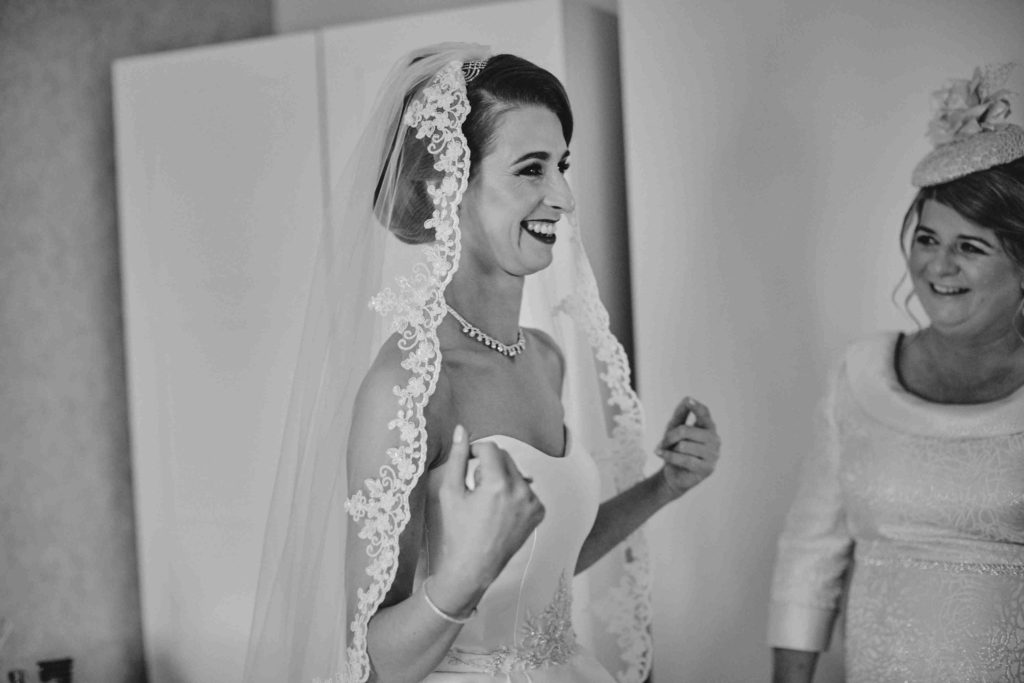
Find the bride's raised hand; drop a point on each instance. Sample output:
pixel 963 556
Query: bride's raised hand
pixel 483 525
pixel 690 451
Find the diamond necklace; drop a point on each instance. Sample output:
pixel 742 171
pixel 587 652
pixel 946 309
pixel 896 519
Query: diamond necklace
pixel 474 332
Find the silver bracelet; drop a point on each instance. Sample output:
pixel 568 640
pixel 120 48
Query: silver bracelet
pixel 440 612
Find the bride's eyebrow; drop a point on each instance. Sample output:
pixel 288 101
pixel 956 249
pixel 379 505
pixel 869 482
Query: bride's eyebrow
pixel 540 155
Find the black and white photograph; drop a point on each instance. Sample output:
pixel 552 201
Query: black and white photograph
pixel 512 341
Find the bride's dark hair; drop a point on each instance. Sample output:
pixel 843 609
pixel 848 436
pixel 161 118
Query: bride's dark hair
pixel 506 82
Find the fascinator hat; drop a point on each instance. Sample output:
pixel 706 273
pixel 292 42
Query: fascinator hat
pixel 384 261
pixel 969 130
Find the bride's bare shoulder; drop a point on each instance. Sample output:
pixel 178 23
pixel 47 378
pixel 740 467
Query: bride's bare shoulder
pixel 386 372
pixel 391 375
pixel 392 367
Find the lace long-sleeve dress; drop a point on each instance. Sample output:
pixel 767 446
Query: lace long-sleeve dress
pixel 523 630
pixel 919 506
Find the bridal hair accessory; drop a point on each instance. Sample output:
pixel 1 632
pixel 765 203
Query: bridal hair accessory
pixel 474 332
pixel 441 613
pixel 969 130
pixel 472 69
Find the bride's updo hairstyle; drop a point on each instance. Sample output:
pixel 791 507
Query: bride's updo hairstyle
pixel 506 82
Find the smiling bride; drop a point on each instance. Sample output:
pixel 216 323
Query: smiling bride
pixel 455 461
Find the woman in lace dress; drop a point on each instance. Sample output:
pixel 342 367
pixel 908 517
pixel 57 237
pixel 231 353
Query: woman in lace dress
pixel 488 461
pixel 912 505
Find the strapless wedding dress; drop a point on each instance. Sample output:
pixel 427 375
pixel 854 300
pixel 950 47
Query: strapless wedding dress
pixel 523 630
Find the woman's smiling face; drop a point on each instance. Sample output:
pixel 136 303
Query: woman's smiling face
pixel 965 281
pixel 516 194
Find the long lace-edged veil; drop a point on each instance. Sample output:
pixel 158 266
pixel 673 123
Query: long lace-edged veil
pixel 331 545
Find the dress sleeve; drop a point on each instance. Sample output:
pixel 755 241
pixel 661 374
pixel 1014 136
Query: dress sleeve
pixel 814 549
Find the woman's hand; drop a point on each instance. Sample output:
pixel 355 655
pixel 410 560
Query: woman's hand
pixel 690 451
pixel 793 666
pixel 481 527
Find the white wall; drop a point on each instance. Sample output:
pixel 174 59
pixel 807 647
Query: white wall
pixel 300 15
pixel 769 149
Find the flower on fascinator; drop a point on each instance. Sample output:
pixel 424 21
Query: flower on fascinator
pixel 967 107
pixel 970 131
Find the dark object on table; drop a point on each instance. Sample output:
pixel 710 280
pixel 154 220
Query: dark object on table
pixel 55 670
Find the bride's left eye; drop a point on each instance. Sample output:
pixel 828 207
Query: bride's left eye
pixel 531 170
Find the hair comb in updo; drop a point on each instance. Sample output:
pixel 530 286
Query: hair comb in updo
pixel 472 69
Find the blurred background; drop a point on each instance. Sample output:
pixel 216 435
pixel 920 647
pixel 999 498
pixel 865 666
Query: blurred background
pixel 766 147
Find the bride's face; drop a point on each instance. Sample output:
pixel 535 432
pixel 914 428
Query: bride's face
pixel 516 195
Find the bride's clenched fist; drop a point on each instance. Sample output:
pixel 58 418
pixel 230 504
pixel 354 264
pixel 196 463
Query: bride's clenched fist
pixel 483 524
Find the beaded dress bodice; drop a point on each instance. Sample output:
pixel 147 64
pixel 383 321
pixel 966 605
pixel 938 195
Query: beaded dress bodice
pixel 523 629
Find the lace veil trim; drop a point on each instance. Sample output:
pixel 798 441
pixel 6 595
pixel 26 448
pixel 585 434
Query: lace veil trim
pixel 416 310
pixel 625 607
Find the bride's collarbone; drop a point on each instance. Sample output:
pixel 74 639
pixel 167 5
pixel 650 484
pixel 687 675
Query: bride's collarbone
pixel 472 370
pixel 520 401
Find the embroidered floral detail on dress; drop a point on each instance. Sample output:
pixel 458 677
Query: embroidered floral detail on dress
pixel 416 310
pixel 986 568
pixel 545 639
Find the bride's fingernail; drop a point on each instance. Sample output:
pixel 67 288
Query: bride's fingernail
pixel 460 434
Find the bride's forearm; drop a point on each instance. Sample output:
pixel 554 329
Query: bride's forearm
pixel 406 641
pixel 621 515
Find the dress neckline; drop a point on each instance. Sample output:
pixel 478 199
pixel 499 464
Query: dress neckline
pixel 566 442
pixel 898 374
pixel 870 369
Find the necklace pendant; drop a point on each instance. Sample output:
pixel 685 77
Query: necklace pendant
pixel 473 332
